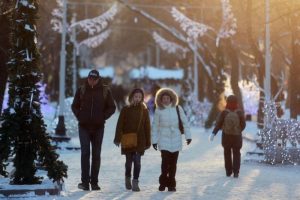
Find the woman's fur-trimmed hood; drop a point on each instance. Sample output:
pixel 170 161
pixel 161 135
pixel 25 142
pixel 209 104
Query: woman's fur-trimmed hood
pixel 169 92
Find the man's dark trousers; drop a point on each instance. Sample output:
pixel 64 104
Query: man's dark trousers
pixel 95 138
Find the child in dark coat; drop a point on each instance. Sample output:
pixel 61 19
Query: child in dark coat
pixel 232 123
pixel 134 118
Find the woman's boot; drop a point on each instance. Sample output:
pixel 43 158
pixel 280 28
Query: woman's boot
pixel 128 183
pixel 135 185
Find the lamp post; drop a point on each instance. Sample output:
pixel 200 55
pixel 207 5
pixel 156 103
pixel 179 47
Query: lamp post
pixel 75 53
pixel 157 54
pixel 60 131
pixel 267 83
pixel 157 50
pixel 267 80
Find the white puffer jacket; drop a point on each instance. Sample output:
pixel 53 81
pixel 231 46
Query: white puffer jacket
pixel 165 126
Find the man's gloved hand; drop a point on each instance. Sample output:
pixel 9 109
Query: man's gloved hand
pixel 211 137
pixel 117 144
pixel 188 141
pixel 154 146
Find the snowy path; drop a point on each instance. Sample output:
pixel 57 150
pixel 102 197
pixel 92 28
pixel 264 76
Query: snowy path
pixel 200 174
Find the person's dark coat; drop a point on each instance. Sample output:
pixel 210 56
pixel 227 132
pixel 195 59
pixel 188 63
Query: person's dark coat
pixel 90 108
pixel 230 140
pixel 128 121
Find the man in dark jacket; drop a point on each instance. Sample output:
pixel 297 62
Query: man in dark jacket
pixel 92 105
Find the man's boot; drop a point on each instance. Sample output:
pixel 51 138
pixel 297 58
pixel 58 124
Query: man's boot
pixel 84 186
pixel 128 183
pixel 135 185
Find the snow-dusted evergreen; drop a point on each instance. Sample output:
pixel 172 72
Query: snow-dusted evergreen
pixel 23 133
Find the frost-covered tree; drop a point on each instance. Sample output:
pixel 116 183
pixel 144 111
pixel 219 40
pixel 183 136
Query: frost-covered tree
pixel 194 31
pixel 23 133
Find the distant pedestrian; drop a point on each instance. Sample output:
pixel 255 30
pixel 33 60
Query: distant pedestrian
pixel 232 123
pixel 151 102
pixel 169 123
pixel 92 105
pixel 133 133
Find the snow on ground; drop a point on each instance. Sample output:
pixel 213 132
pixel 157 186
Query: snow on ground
pixel 200 174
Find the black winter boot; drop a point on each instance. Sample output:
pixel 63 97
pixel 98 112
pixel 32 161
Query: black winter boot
pixel 84 186
pixel 95 186
pixel 128 183
pixel 235 175
pixel 163 183
pixel 228 173
pixel 135 185
pixel 172 185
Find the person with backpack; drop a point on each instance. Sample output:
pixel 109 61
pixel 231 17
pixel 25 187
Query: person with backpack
pixel 232 122
pixel 169 123
pixel 92 105
pixel 133 133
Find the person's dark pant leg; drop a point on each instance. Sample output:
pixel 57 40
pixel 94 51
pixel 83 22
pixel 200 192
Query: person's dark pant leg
pixel 172 168
pixel 96 139
pixel 128 164
pixel 228 160
pixel 236 160
pixel 84 138
pixel 137 165
pixel 163 179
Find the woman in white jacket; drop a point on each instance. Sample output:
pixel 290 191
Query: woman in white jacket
pixel 166 135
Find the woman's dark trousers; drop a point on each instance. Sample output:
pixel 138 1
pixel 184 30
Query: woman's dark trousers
pixel 168 168
pixel 135 158
pixel 232 158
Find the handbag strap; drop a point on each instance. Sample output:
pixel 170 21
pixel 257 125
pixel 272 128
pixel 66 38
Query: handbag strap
pixel 140 121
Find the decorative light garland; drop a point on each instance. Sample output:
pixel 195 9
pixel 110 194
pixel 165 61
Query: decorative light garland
pixel 168 46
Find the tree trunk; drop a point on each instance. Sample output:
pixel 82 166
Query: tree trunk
pixel 201 83
pixel 294 78
pixel 219 87
pixel 260 62
pixel 235 71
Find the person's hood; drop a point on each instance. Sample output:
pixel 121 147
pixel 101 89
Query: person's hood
pixel 136 90
pixel 169 92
